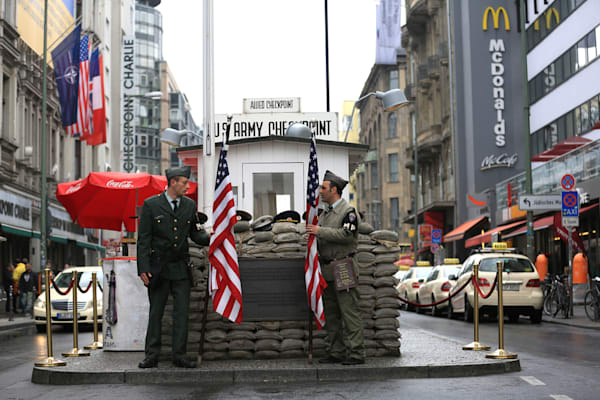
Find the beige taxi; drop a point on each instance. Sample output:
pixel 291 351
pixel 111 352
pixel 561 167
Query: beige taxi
pixel 62 306
pixel 522 293
pixel 437 285
pixel 410 284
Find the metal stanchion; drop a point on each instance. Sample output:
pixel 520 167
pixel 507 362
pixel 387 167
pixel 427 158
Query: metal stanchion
pixel 11 303
pixel 475 345
pixel 75 351
pixel 50 361
pixel 96 344
pixel 500 353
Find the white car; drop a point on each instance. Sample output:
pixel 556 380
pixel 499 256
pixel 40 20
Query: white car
pixel 437 285
pixel 62 306
pixel 522 293
pixel 411 283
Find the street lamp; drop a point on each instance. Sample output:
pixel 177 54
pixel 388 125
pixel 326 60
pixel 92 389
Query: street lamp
pixel 393 99
pixel 174 137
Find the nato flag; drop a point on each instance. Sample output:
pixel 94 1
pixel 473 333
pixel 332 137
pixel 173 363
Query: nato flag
pixel 65 58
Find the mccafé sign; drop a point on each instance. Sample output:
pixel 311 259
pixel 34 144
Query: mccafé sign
pixel 495 13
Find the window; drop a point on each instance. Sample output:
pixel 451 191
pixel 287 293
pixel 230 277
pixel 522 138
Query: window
pixel 394 79
pixel 273 192
pixel 374 176
pixel 393 167
pixel 347 123
pixel 394 212
pixel 392 126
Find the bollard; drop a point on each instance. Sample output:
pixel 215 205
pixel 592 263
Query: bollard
pixel 500 353
pixel 475 345
pixel 96 344
pixel 11 303
pixel 50 361
pixel 75 351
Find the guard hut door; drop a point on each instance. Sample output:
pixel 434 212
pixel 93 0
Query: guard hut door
pixel 270 188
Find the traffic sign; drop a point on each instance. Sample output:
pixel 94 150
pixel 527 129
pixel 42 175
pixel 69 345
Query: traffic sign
pixel 543 202
pixel 436 236
pixel 570 222
pixel 570 204
pixel 434 247
pixel 567 182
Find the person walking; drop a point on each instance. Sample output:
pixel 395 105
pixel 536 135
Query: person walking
pixel 19 270
pixel 166 222
pixel 337 239
pixel 27 287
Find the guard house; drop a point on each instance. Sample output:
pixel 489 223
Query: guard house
pixel 268 167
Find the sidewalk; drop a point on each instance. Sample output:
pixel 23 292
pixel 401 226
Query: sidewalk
pixel 579 320
pixel 19 326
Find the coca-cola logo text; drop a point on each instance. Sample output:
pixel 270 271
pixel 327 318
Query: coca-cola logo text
pixel 119 184
pixel 74 188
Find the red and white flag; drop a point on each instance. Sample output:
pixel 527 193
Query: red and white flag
pixel 82 127
pixel 225 285
pixel 98 132
pixel 315 284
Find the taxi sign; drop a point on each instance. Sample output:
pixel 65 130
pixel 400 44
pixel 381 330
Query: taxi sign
pixel 451 261
pixel 423 264
pixel 499 246
pixel 570 204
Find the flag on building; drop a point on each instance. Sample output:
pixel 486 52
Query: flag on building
pixel 389 31
pixel 225 284
pixel 65 58
pixel 82 127
pixel 315 284
pixel 98 106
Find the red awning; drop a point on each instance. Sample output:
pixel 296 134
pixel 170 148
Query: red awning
pixel 560 148
pixel 459 232
pixel 487 236
pixel 406 260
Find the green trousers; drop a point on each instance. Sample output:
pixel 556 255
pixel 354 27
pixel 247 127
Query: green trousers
pixel 180 290
pixel 343 323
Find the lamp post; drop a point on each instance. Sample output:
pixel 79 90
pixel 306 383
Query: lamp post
pixel 175 137
pixel 208 161
pixel 43 180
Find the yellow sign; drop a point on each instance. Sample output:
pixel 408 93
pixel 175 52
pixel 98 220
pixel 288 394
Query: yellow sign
pixel 411 233
pixel 30 22
pixel 549 13
pixel 451 261
pixel 499 246
pixel 495 18
pixel 423 264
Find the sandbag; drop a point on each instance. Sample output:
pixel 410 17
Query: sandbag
pixel 267 344
pixel 386 334
pixel 266 354
pixel 291 344
pixel 387 313
pixel 385 292
pixel 386 249
pixel 292 333
pixel 384 235
pixel 241 344
pixel 387 323
pixel 241 355
pixel 287 247
pixel 386 258
pixel 260 237
pixel 241 226
pixel 365 228
pixel 385 270
pixel 283 227
pixel 290 237
pixel 385 281
pixel 267 334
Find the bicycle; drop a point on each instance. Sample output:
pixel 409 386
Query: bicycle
pixel 547 287
pixel 558 299
pixel 592 300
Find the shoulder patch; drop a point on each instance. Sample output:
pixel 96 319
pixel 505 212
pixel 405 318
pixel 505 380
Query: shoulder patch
pixel 350 222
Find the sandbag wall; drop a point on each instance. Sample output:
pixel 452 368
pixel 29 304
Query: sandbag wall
pixel 289 339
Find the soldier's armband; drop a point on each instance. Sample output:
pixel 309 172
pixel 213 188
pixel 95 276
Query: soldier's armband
pixel 350 222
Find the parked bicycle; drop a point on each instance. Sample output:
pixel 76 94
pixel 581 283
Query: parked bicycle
pixel 557 298
pixel 592 300
pixel 546 288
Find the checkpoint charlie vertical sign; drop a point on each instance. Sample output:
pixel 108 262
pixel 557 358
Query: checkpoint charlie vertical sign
pixel 128 104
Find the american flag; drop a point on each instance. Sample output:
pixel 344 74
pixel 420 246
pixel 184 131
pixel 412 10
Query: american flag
pixel 225 285
pixel 84 110
pixel 315 284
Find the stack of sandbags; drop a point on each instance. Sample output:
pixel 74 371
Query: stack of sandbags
pixel 284 240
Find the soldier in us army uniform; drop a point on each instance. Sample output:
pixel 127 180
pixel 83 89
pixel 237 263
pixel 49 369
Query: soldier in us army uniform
pixel 337 238
pixel 166 222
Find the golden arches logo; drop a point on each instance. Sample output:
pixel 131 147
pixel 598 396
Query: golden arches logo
pixel 549 13
pixel 495 18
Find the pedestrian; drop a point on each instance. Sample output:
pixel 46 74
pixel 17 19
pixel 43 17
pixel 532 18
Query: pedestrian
pixel 27 286
pixel 162 258
pixel 19 270
pixel 7 282
pixel 337 239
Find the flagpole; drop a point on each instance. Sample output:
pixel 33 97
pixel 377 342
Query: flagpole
pixel 208 164
pixel 43 181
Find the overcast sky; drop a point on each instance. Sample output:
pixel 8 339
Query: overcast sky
pixel 271 48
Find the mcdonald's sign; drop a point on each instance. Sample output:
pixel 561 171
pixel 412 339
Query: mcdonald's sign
pixel 495 18
pixel 549 13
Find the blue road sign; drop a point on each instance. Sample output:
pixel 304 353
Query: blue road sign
pixel 436 236
pixel 570 204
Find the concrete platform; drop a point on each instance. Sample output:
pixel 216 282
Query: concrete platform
pixel 424 355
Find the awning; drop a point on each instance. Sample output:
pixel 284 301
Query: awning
pixel 487 236
pixel 560 148
pixel 16 231
pixel 90 246
pixel 459 232
pixel 406 260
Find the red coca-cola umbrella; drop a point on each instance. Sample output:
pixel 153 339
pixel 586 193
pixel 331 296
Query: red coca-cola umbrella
pixel 108 200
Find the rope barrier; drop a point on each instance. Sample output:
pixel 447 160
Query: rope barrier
pixel 437 302
pixel 66 292
pixel 99 287
pixel 86 290
pixel 476 284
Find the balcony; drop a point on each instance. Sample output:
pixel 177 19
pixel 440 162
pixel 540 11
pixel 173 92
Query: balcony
pixel 417 16
pixel 443 53
pixel 423 77
pixel 433 66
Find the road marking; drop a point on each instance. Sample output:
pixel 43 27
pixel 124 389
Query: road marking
pixel 560 397
pixel 532 380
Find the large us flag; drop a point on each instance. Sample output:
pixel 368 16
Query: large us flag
pixel 84 110
pixel 225 285
pixel 315 284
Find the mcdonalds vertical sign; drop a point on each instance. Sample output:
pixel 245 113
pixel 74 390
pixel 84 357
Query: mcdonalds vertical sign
pixel 30 21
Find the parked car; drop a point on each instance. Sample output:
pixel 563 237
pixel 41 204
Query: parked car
pixel 409 286
pixel 437 285
pixel 62 306
pixel 521 285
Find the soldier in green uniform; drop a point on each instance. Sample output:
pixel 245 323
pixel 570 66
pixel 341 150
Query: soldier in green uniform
pixel 337 238
pixel 162 259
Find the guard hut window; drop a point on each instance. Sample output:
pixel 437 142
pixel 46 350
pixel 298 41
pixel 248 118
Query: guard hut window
pixel 273 193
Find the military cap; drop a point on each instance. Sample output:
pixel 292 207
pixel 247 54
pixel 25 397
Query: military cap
pixel 179 171
pixel 243 215
pixel 331 177
pixel 264 223
pixel 288 216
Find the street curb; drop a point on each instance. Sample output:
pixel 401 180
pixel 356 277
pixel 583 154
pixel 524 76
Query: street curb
pixel 17 329
pixel 565 323
pixel 54 376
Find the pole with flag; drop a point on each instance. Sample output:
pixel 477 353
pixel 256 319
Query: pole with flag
pixel 97 103
pixel 65 58
pixel 224 272
pixel 82 127
pixel 315 284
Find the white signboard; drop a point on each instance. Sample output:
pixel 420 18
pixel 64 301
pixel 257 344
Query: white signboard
pixel 545 202
pixel 62 226
pixel 15 210
pixel 247 126
pixel 276 105
pixel 128 104
pixel 572 222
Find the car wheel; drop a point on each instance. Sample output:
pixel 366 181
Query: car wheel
pixel 468 314
pixel 419 309
pixel 40 328
pixel 435 312
pixel 450 310
pixel 513 317
pixel 407 306
pixel 536 316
